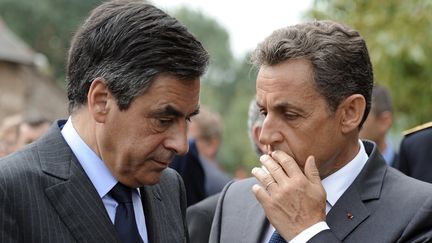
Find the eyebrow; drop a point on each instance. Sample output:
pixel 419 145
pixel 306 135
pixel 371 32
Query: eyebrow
pixel 258 104
pixel 169 110
pixel 282 106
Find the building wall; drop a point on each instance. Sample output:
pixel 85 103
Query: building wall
pixel 24 90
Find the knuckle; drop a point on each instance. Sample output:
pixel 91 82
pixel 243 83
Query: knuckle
pixel 275 169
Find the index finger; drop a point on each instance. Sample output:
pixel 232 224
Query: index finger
pixel 273 168
pixel 289 165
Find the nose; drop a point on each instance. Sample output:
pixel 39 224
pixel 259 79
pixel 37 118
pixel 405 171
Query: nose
pixel 270 132
pixel 177 141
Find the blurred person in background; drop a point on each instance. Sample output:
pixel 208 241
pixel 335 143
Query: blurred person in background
pixel 200 216
pixel 206 129
pixel 379 122
pixel 9 132
pixel 415 153
pixel 101 175
pixel 199 168
pixel 30 130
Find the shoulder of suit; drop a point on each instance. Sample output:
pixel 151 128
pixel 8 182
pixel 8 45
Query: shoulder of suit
pixel 417 129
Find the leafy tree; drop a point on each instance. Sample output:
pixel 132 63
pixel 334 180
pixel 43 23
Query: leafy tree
pixel 227 87
pixel 47 25
pixel 398 34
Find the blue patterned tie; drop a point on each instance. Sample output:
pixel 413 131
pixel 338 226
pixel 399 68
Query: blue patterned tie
pixel 276 238
pixel 124 222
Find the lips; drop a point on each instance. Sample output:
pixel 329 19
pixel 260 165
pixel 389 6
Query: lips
pixel 162 162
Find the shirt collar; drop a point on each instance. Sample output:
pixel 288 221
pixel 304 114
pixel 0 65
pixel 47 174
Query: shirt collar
pixel 94 167
pixel 337 183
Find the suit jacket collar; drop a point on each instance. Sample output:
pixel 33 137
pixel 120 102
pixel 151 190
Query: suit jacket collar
pixel 255 224
pixel 351 208
pixel 70 190
pixel 151 200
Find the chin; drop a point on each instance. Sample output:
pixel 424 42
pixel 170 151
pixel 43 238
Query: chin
pixel 150 178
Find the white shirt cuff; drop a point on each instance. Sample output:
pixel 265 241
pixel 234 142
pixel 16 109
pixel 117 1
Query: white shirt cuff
pixel 310 232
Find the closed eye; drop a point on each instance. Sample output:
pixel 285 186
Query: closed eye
pixel 291 116
pixel 165 121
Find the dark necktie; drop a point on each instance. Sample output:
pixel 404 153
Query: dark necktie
pixel 276 238
pixel 124 222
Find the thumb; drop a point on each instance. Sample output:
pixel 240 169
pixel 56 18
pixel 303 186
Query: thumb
pixel 311 171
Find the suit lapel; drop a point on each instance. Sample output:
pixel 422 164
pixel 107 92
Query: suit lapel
pixel 348 212
pixel 352 207
pixel 255 224
pixel 71 192
pixel 151 200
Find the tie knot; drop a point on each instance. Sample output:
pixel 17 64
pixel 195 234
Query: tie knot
pixel 121 193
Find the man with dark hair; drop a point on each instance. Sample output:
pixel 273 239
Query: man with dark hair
pixel 379 122
pixel 319 182
pixel 101 176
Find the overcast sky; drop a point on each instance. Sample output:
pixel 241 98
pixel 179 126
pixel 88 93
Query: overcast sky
pixel 248 22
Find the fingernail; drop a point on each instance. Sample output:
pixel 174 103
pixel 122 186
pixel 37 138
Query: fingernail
pixel 254 169
pixel 311 158
pixel 264 157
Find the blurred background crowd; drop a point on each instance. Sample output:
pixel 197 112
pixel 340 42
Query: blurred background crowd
pixel 34 38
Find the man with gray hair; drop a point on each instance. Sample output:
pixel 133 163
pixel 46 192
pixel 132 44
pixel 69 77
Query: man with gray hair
pixel 101 176
pixel 255 121
pixel 200 215
pixel 320 183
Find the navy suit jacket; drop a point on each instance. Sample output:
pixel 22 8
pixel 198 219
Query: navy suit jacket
pixel 190 169
pixel 415 155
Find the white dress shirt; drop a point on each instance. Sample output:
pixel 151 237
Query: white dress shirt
pixel 101 177
pixel 334 185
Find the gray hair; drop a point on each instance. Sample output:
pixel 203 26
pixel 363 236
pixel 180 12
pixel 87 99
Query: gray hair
pixel 254 119
pixel 338 54
pixel 128 44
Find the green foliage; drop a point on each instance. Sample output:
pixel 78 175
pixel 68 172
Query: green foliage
pixel 398 34
pixel 214 38
pixel 47 25
pixel 227 88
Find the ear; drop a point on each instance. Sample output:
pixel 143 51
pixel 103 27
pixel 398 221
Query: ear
pixel 97 100
pixel 352 110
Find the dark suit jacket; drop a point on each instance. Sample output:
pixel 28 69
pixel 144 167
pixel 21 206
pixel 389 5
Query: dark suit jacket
pixel 415 155
pixel 192 173
pixel 386 205
pixel 199 219
pixel 45 196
